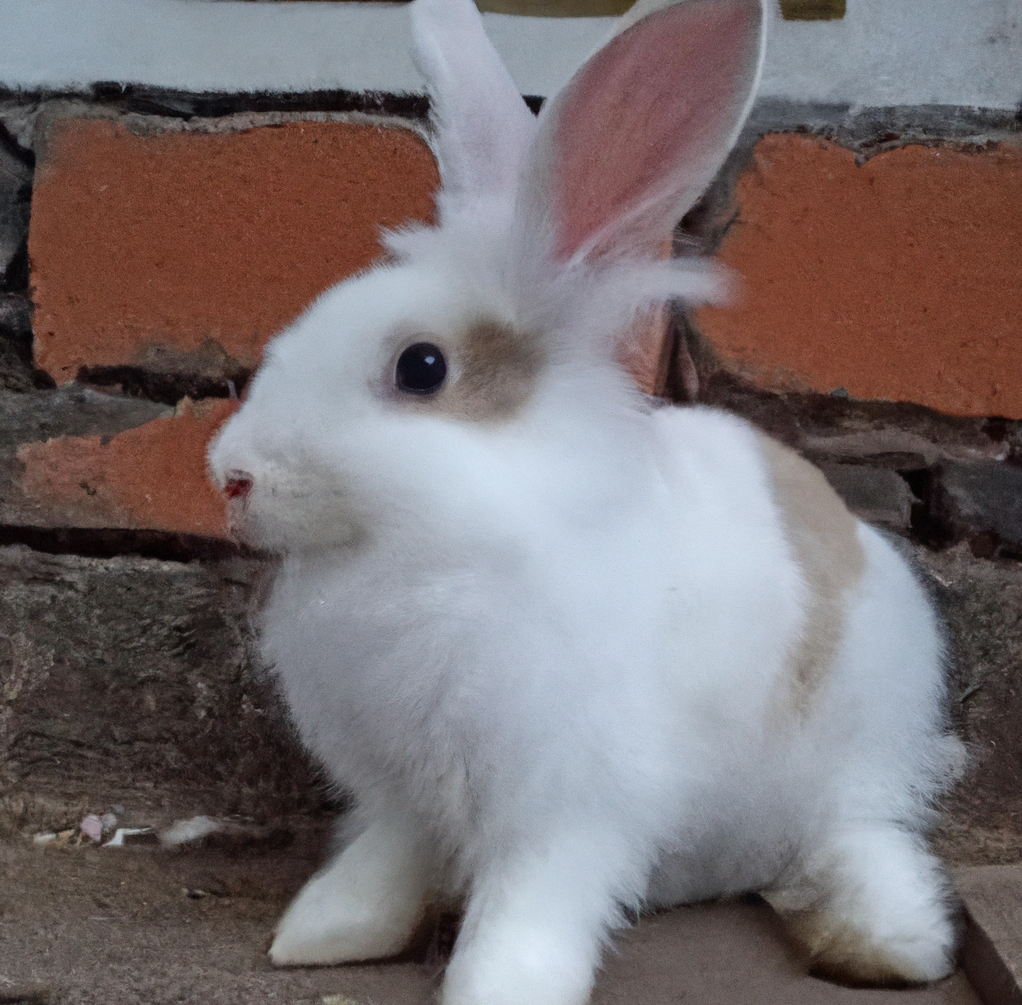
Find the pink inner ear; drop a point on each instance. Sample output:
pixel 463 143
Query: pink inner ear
pixel 640 131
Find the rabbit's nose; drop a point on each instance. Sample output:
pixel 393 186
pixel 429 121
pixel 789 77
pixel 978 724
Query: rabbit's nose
pixel 237 485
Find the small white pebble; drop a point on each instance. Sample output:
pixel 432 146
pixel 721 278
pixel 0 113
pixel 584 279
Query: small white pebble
pixel 44 838
pixel 337 1000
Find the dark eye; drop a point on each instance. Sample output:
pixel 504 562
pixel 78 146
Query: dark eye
pixel 421 369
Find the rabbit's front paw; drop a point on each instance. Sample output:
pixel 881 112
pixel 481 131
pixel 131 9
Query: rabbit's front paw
pixel 534 925
pixel 366 904
pixel 533 966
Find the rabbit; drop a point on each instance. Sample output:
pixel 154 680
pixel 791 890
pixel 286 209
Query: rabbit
pixel 576 653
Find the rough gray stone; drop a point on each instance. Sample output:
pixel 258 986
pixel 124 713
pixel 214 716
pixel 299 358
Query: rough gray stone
pixel 893 447
pixel 958 476
pixel 16 370
pixel 991 951
pixel 129 676
pixel 870 130
pixel 827 428
pixel 15 201
pixel 984 498
pixel 71 411
pixel 126 675
pixel 981 603
pixel 878 495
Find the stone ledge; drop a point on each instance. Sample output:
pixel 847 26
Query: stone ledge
pixel 992 947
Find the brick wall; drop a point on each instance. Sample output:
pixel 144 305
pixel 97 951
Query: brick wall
pixel 875 328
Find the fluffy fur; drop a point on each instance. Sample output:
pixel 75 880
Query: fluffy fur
pixel 578 654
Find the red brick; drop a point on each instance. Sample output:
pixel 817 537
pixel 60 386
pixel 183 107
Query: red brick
pixel 899 279
pixel 144 243
pixel 149 477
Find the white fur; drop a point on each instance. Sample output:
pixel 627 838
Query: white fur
pixel 364 905
pixel 550 654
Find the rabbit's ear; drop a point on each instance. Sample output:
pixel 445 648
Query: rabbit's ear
pixel 638 133
pixel 483 127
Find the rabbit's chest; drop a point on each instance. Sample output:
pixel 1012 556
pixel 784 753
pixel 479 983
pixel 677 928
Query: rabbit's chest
pixel 460 688
pixel 388 666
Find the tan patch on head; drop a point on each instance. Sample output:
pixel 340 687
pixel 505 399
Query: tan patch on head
pixel 823 536
pixel 492 371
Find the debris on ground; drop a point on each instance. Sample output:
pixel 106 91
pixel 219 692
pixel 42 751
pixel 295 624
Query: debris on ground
pixel 98 829
pixel 191 831
pixel 131 836
pixel 211 832
pixel 200 831
pixel 92 828
pixel 68 836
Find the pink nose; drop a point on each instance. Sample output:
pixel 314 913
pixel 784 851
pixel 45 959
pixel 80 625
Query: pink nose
pixel 238 485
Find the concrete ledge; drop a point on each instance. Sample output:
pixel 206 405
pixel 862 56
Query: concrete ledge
pixel 956 52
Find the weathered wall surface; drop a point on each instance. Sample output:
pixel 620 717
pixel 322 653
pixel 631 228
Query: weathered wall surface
pixel 171 233
pixel 133 681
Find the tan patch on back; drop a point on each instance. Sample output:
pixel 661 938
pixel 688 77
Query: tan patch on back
pixel 492 371
pixel 823 536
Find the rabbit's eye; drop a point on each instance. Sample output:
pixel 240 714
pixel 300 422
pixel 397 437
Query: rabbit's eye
pixel 421 369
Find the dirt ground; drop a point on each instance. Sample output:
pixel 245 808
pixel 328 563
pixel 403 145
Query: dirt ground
pixel 84 925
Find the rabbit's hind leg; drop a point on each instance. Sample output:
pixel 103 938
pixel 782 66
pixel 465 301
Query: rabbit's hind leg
pixel 365 904
pixel 875 909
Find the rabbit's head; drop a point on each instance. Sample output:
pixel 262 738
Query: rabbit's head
pixel 476 368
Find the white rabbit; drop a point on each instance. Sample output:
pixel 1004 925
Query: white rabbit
pixel 576 655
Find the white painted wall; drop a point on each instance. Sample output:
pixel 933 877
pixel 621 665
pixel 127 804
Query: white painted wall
pixel 883 52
